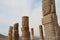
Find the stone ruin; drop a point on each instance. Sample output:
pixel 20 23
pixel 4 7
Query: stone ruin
pixel 32 34
pixel 13 33
pixel 16 32
pixel 10 32
pixel 41 32
pixel 25 28
pixel 49 22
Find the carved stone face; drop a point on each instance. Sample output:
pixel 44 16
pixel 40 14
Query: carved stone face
pixel 46 7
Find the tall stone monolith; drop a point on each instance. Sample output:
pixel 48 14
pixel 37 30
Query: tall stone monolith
pixel 25 28
pixel 49 19
pixel 41 32
pixel 32 34
pixel 16 31
pixel 10 33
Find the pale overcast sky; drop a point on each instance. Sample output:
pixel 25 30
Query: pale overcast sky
pixel 11 12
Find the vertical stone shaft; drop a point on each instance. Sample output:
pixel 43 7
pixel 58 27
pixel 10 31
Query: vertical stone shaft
pixel 25 28
pixel 32 34
pixel 16 32
pixel 49 19
pixel 10 33
pixel 41 32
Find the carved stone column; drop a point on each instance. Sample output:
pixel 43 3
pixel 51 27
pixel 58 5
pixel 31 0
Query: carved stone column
pixel 41 32
pixel 10 33
pixel 16 31
pixel 25 28
pixel 49 19
pixel 32 34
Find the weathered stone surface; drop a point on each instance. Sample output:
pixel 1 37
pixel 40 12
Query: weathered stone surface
pixel 25 28
pixel 50 20
pixel 41 32
pixel 49 30
pixel 53 8
pixel 58 33
pixel 10 32
pixel 49 26
pixel 32 34
pixel 48 6
pixel 16 31
pixel 46 19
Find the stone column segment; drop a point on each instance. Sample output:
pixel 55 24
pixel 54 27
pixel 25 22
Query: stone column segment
pixel 25 28
pixel 32 34
pixel 41 32
pixel 10 32
pixel 49 19
pixel 16 31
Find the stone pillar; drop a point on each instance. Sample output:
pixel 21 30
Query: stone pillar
pixel 10 33
pixel 16 31
pixel 25 28
pixel 49 19
pixel 41 32
pixel 32 34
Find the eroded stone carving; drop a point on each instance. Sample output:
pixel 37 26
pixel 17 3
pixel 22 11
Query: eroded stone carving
pixel 16 31
pixel 50 20
pixel 10 33
pixel 25 28
pixel 41 32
